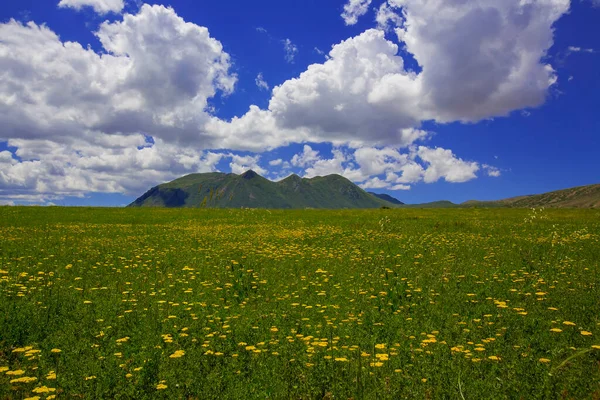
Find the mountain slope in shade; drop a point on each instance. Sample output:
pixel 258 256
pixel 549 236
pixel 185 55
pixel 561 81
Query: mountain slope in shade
pixel 387 198
pixel 577 197
pixel 219 190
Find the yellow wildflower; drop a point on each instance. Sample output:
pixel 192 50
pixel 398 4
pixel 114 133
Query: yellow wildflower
pixel 24 379
pixel 15 373
pixel 43 389
pixel 177 354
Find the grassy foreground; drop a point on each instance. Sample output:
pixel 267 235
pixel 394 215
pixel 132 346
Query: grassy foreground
pixel 242 304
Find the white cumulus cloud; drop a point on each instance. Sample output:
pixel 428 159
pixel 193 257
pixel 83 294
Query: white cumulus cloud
pixel 388 167
pixel 157 78
pixel 240 164
pixel 99 6
pixel 308 156
pixel 387 18
pixel 478 60
pixel 442 163
pixel 492 171
pixel 78 117
pixel 355 9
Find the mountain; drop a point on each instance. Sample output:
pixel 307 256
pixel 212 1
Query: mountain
pixel 219 190
pixel 387 197
pixel 577 197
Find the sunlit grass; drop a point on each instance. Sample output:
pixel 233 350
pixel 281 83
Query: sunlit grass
pixel 130 303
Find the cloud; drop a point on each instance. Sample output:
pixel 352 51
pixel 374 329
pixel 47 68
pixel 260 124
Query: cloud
pixel 261 83
pixel 361 94
pixel 388 167
pixel 442 163
pixel 338 164
pixel 290 49
pixel 156 77
pixel 308 156
pixel 400 187
pixel 343 99
pixel 6 157
pixel 241 164
pixel 374 161
pixel 78 117
pixel 275 163
pixel 374 183
pixel 491 171
pixel 109 164
pixel 573 49
pixel 386 18
pixel 99 6
pixel 355 9
pixel 478 60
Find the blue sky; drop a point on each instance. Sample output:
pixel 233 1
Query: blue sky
pixel 102 99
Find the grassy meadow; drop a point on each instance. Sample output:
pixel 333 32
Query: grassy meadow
pixel 256 304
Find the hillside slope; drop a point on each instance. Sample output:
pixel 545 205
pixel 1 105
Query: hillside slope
pixel 577 197
pixel 219 190
pixel 387 198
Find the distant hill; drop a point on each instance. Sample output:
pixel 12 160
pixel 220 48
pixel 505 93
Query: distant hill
pixel 387 198
pixel 577 197
pixel 434 204
pixel 219 190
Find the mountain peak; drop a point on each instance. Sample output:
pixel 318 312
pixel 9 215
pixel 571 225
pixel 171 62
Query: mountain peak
pixel 252 190
pixel 292 177
pixel 249 174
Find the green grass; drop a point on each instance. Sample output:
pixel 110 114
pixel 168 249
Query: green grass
pixel 378 304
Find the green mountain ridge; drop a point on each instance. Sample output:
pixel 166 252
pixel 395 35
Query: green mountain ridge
pixel 250 190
